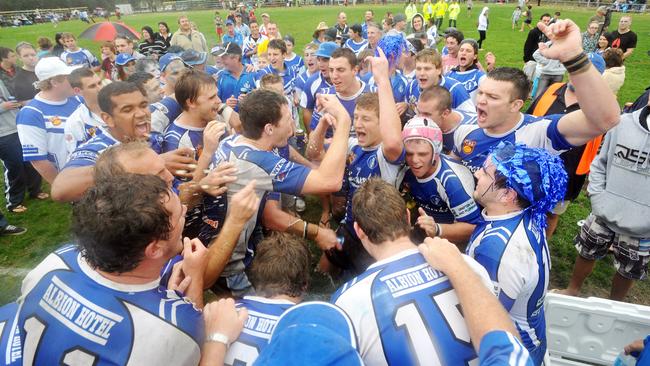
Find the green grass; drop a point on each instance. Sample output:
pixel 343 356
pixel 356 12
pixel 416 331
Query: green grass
pixel 48 222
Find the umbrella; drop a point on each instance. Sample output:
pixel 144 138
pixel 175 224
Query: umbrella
pixel 107 31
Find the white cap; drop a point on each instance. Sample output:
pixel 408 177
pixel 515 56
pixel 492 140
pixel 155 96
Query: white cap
pixel 49 67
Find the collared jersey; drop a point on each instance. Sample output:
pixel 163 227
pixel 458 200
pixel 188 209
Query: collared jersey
pixel 460 99
pixel 70 312
pixel 349 103
pixel 163 113
pixel 263 314
pixel 41 126
pixel 357 48
pixel 407 313
pixel 470 80
pixel 288 75
pixel 447 194
pixel 513 250
pixel 81 57
pixel 299 83
pixel 296 63
pixel 81 126
pixel 472 144
pixel 229 86
pixel 315 84
pixel 87 154
pixel 249 45
pixel 448 137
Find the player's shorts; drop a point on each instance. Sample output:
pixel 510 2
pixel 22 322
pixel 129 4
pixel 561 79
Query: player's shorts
pixel 353 257
pixel 631 255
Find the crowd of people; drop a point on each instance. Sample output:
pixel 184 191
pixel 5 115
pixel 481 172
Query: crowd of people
pixel 187 166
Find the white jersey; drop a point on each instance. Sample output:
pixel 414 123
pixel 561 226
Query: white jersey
pixel 407 313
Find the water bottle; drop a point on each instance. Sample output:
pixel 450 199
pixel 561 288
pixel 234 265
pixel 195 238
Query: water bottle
pixel 624 360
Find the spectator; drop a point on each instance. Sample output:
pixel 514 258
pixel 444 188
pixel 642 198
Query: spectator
pixel 125 65
pixel 452 43
pixel 150 84
pixel 624 38
pixel 272 31
pixel 252 42
pixel 529 19
pixel 603 43
pixel 148 65
pixel 590 38
pixel 410 10
pixel 399 24
pixel 454 11
pixel 125 45
pixel 23 83
pixel 166 111
pixel 417 25
pixel 341 26
pixel 516 14
pixel 374 35
pixel 550 71
pixel 428 11
pixel 266 18
pixel 76 56
pixel 599 18
pixel 59 48
pixel 164 33
pixel 440 11
pixel 7 229
pixel 614 73
pixel 368 17
pixel 240 27
pixel 234 80
pixel 534 38
pixel 8 67
pixel 319 33
pixel 232 35
pixel 187 38
pixel 150 45
pixel 44 47
pixel 109 72
pixel 483 22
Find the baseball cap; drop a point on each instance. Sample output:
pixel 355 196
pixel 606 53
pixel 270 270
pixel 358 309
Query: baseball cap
pixel 229 22
pixel 312 333
pixel 49 67
pixel 399 17
pixel 598 61
pixel 123 58
pixel 192 57
pixel 230 48
pixel 167 59
pixel 326 49
pixel 217 50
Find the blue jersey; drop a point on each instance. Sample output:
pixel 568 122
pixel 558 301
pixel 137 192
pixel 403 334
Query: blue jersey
pixel 364 30
pixel 349 103
pixel 237 38
pixel 357 48
pixel 397 82
pixel 88 153
pixel 70 312
pixel 470 80
pixel 271 172
pixel 407 313
pixel 315 84
pixel 447 194
pixel 448 136
pixel 472 144
pixel 163 113
pixel 81 57
pixel 366 77
pixel 500 348
pixel 229 86
pixel 365 163
pixel 296 63
pixel 514 252
pixel 288 75
pixel 9 334
pixel 460 99
pixel 299 83
pixel 179 135
pixel 41 126
pixel 263 314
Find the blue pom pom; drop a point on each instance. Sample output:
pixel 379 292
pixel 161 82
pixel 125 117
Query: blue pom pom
pixel 393 46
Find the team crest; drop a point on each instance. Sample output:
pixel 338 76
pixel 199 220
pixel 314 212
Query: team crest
pixel 92 131
pixel 468 146
pixel 55 121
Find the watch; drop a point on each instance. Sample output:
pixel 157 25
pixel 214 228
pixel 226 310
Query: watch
pixel 219 338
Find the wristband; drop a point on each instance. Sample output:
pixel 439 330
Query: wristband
pixel 304 230
pixel 218 338
pixel 221 108
pixel 439 229
pixel 577 64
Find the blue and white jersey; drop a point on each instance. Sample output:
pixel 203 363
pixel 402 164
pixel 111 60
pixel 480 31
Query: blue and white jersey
pixel 397 82
pixel 357 48
pixel 349 103
pixel 229 86
pixel 296 63
pixel 69 312
pixel 249 45
pixel 272 173
pixel 81 126
pixel 364 30
pixel 365 163
pixel 409 76
pixel 88 153
pixel 448 137
pixel 179 135
pixel 407 313
pixel 366 77
pixel 299 83
pixel 472 144
pixel 163 113
pixel 514 252
pixel 470 80
pixel 263 314
pixel 9 335
pixel 447 194
pixel 288 75
pixel 499 348
pixel 460 99
pixel 313 85
pixel 81 57
pixel 41 126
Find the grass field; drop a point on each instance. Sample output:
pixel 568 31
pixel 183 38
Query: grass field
pixel 48 222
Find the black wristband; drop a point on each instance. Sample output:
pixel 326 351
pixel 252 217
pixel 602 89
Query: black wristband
pixel 578 64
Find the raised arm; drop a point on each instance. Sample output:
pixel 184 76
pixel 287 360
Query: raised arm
pixel 599 109
pixel 390 125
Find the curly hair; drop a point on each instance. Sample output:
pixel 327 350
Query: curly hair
pixel 116 220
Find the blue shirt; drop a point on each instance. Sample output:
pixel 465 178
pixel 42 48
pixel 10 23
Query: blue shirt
pixel 237 38
pixel 41 127
pixel 447 194
pixel 263 314
pixel 356 47
pixel 313 85
pixel 288 75
pixel 460 99
pixel 71 311
pixel 349 103
pixel 88 153
pixel 300 81
pixel 296 64
pixel 406 313
pixel 470 80
pixel 499 348
pixel 472 144
pixel 397 82
pixel 229 86
pixel 514 252
pixel 163 113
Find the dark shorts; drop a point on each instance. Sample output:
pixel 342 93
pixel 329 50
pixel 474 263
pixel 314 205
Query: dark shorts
pixel 630 254
pixel 528 21
pixel 353 257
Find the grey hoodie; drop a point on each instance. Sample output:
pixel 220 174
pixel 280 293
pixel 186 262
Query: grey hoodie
pixel 619 182
pixel 7 117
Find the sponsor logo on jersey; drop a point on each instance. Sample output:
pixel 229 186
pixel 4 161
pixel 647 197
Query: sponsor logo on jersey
pixel 212 223
pixel 55 121
pixel 468 146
